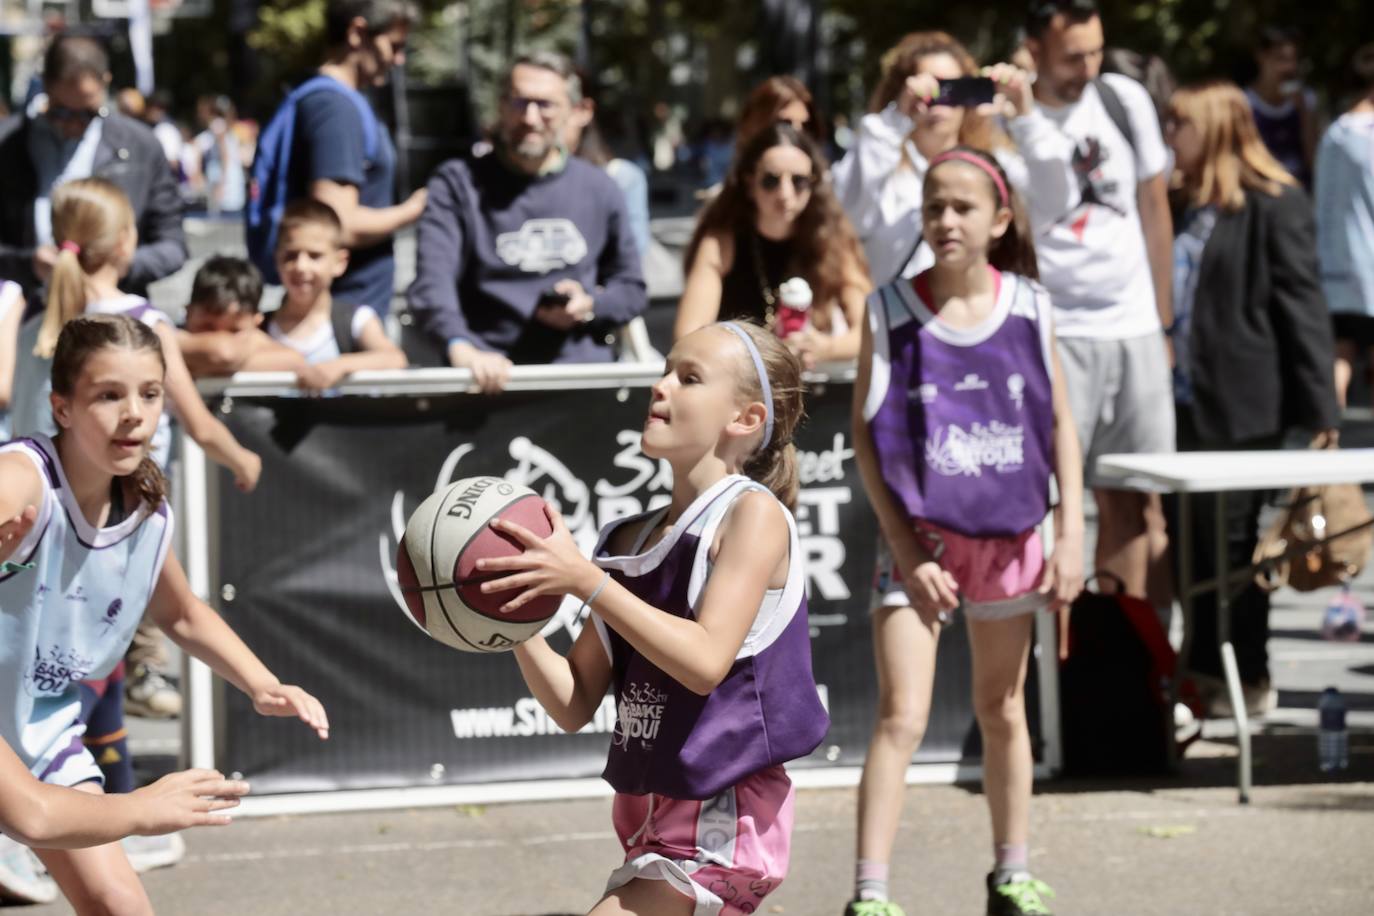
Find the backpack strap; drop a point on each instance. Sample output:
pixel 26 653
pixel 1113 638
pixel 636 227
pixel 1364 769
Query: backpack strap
pixel 341 318
pixel 1116 110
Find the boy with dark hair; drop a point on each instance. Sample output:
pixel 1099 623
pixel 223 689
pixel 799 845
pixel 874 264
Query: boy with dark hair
pixel 333 337
pixel 223 332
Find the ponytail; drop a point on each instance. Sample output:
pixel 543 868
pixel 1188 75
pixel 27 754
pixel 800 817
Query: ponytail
pixel 66 299
pixel 777 469
pixel 89 219
pixel 150 483
pixel 774 463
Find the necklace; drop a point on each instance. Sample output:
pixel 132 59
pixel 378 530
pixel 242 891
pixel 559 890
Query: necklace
pixel 769 293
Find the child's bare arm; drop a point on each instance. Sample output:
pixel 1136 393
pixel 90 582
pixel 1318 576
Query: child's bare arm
pixel 377 352
pixel 570 689
pixel 201 425
pixel 211 354
pixel 697 653
pixel 1064 572
pixel 263 354
pixel 56 817
pixel 200 632
pixel 926 584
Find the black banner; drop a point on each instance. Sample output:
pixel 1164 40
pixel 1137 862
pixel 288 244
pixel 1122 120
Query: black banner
pixel 306 577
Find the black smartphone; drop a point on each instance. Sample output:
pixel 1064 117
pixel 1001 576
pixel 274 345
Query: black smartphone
pixel 550 299
pixel 966 92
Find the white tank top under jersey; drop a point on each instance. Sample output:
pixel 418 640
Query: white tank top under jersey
pixel 320 347
pixel 71 597
pixel 30 407
pixel 779 604
pixel 11 297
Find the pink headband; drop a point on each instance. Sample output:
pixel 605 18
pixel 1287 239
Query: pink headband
pixel 72 247
pixel 1004 198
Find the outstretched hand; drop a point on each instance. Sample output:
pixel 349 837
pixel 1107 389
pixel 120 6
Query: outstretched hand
pixel 12 531
pixel 187 799
pixel 548 566
pixel 289 701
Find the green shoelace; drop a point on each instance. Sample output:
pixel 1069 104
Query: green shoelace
pixel 875 908
pixel 1027 895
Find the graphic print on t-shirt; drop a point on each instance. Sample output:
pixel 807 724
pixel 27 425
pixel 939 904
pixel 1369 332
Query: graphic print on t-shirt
pixel 1095 186
pixel 639 715
pixel 55 670
pixel 542 245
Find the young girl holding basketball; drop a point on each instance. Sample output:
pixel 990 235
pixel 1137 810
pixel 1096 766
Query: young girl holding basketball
pixel 86 549
pixel 960 418
pixel 699 624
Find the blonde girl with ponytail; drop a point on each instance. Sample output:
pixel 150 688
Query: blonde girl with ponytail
pixel 699 624
pixel 96 236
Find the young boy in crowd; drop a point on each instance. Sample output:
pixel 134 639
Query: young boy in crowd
pixel 223 332
pixel 335 338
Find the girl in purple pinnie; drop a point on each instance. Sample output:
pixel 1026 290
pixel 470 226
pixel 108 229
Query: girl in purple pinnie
pixel 699 625
pixel 960 420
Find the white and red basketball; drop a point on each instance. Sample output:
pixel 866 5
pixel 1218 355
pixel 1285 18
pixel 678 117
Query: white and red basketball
pixel 437 559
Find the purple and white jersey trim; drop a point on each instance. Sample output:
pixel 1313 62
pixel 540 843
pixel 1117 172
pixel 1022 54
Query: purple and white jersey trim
pixel 963 418
pixel 766 711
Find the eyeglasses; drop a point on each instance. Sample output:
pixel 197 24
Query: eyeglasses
pixel 519 104
pixel 81 116
pixel 771 181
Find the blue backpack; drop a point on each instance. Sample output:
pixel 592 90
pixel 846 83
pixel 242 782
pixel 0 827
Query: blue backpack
pixel 267 191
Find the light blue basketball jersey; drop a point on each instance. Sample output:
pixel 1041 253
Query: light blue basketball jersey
pixel 30 407
pixel 71 597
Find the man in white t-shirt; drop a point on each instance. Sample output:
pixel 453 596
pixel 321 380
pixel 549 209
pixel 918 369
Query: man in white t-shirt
pixel 1096 162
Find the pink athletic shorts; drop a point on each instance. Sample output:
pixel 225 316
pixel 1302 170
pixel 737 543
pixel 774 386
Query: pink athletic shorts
pixel 726 853
pixel 997 577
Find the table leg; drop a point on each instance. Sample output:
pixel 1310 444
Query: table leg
pixel 1183 548
pixel 1228 652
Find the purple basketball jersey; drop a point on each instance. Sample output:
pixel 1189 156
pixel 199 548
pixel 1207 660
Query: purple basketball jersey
pixel 671 741
pixel 963 419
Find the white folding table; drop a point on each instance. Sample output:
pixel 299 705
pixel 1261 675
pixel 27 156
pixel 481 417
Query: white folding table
pixel 1219 473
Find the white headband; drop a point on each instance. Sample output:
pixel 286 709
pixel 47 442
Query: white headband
pixel 757 357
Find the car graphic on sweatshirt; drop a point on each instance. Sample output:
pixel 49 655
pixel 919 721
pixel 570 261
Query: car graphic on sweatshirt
pixel 542 245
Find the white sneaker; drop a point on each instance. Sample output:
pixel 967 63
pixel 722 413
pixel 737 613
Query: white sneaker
pixel 22 876
pixel 148 852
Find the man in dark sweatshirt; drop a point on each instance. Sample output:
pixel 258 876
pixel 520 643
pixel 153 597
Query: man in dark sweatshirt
pixel 526 255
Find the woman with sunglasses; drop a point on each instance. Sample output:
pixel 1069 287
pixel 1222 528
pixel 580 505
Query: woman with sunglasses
pixel 776 220
pixel 879 181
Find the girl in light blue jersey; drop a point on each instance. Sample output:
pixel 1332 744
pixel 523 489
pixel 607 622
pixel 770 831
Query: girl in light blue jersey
pixel 87 549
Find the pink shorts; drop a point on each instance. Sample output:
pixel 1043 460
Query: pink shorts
pixel 998 577
pixel 726 853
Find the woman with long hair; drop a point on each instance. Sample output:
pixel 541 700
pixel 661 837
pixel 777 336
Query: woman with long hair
pixel 775 221
pixel 1251 337
pixel 879 181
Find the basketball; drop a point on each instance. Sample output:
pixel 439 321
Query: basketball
pixel 436 564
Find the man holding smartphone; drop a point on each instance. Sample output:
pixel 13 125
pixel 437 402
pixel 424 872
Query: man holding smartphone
pixel 526 255
pixel 1104 239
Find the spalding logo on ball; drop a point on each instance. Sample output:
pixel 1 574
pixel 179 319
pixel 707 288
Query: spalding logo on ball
pixel 436 564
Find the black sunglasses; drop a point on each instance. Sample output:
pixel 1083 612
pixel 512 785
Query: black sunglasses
pixel 75 115
pixel 771 181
